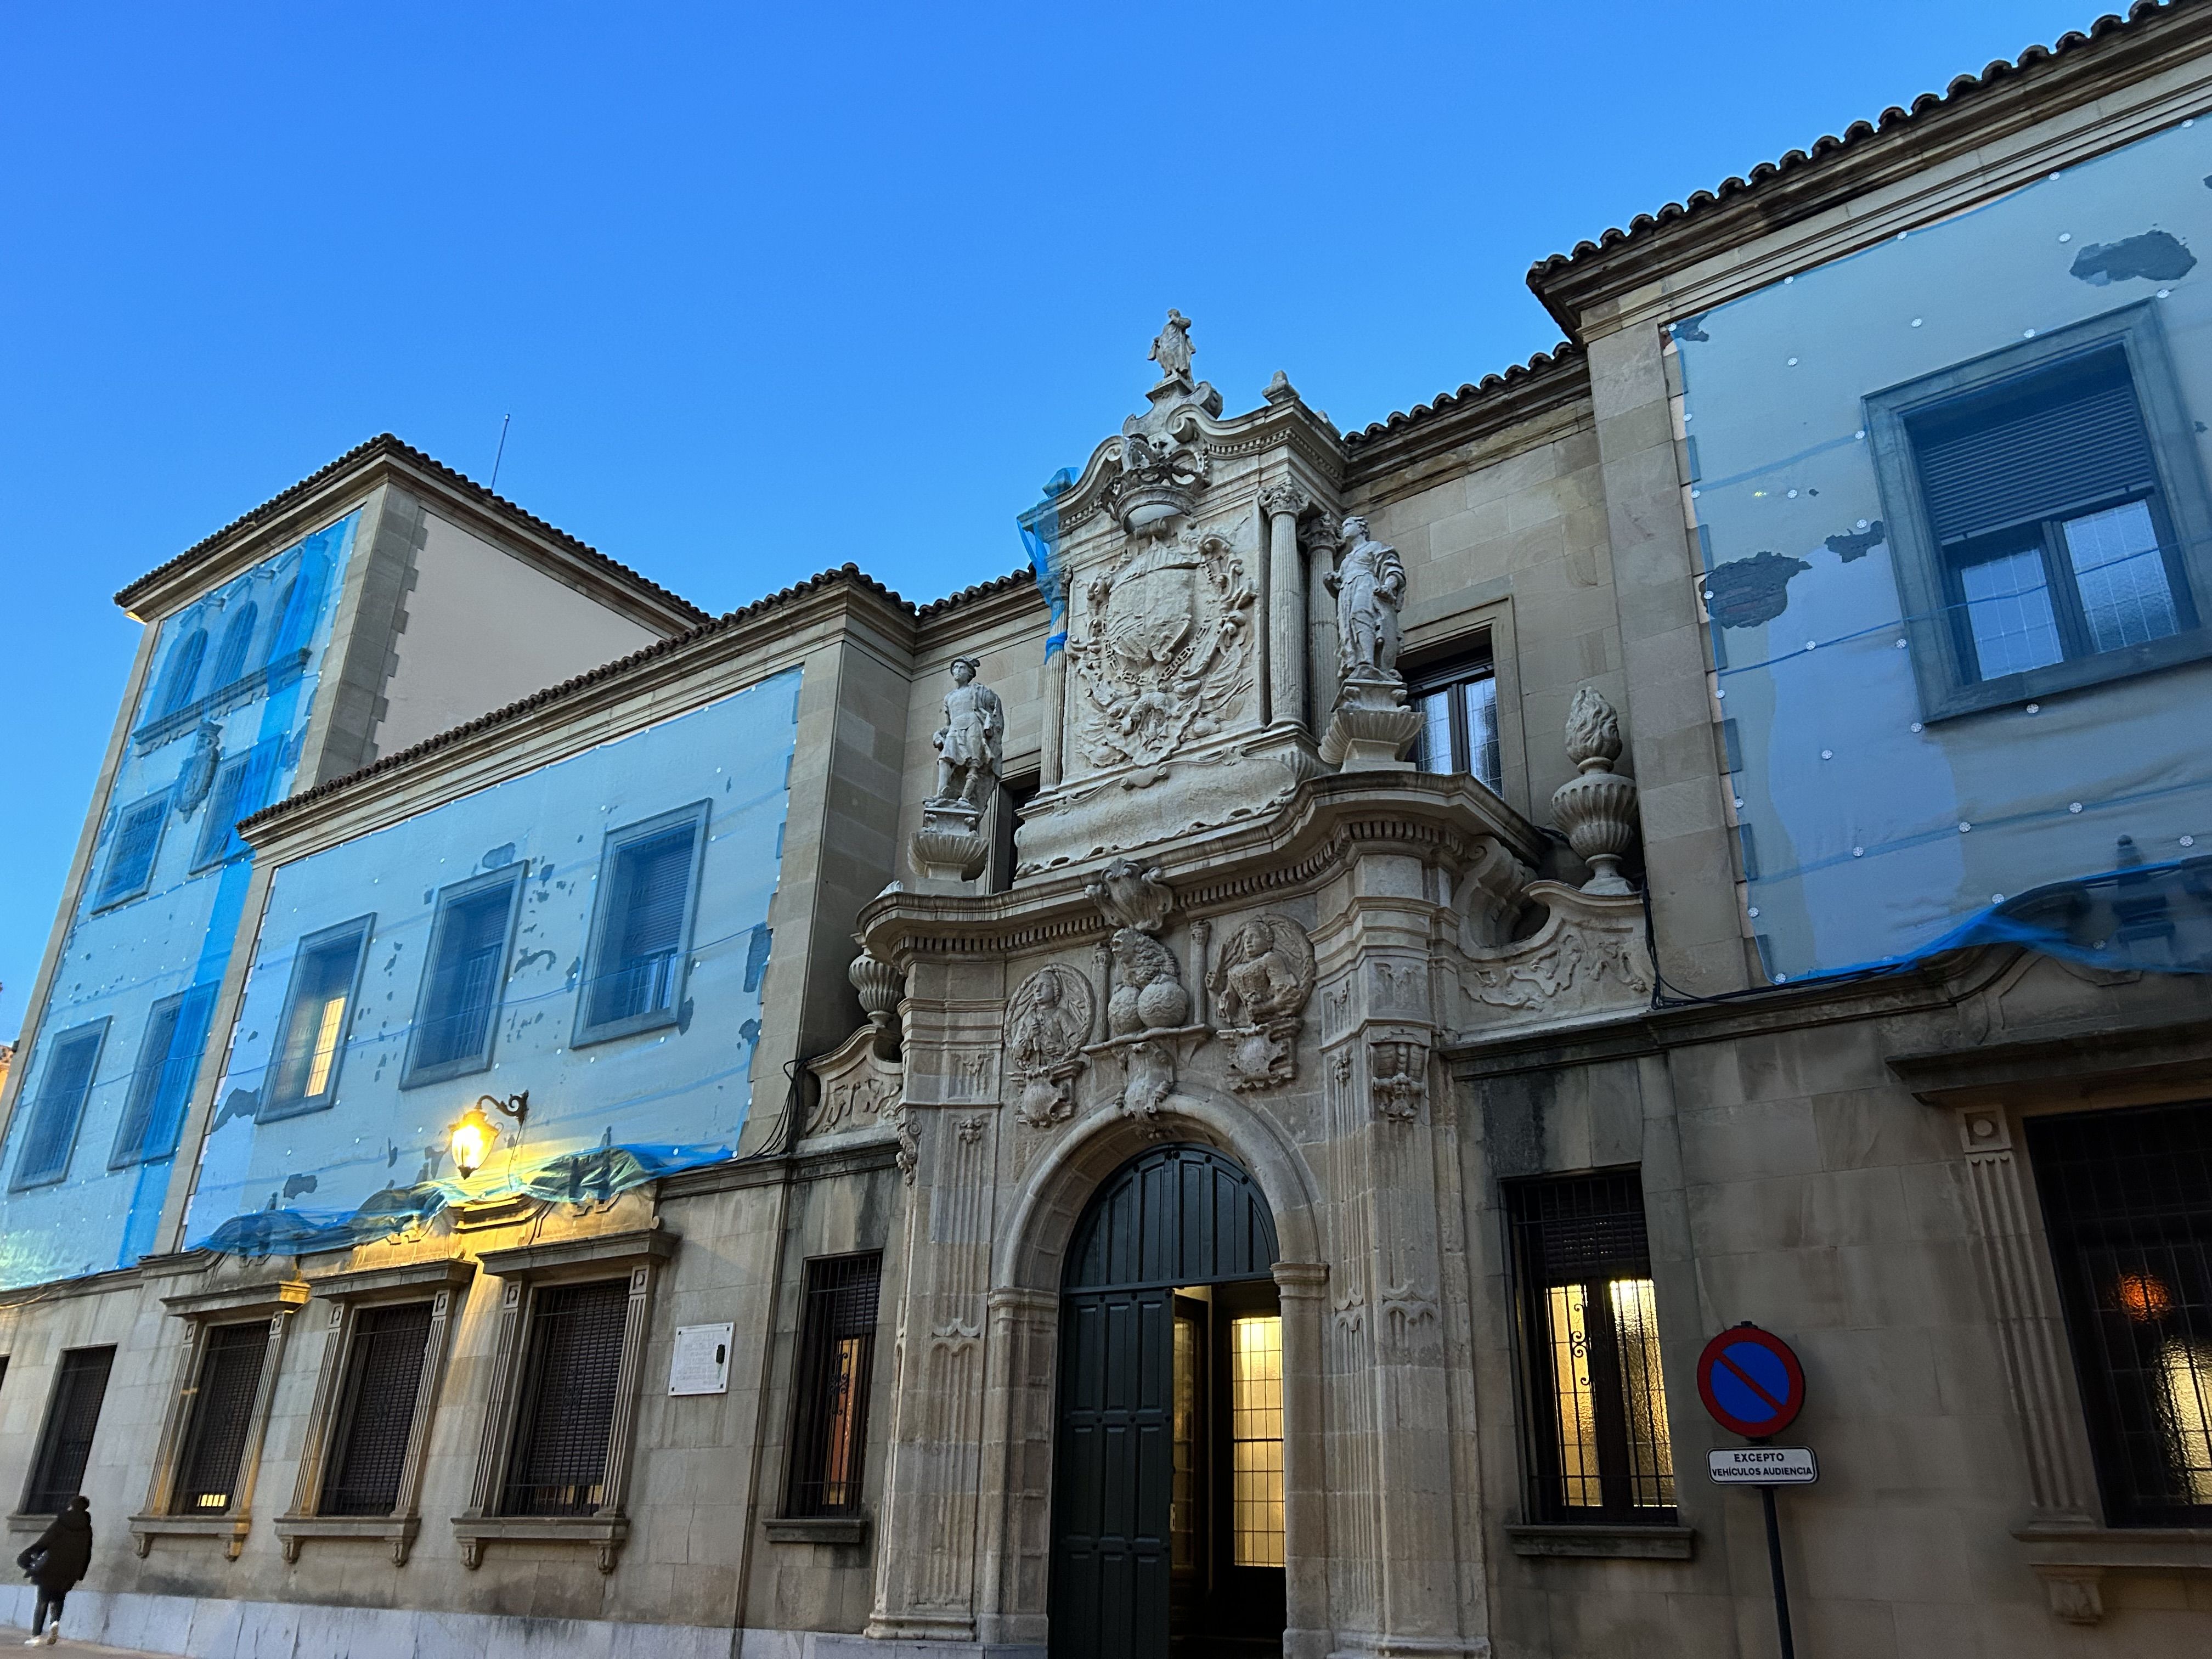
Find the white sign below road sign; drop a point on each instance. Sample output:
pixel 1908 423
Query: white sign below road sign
pixel 1763 1466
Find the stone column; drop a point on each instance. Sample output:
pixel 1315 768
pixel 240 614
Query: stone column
pixel 1056 716
pixel 1304 1287
pixel 1286 653
pixel 1321 549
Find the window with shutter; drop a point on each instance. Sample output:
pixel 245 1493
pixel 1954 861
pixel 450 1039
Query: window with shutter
pixel 241 788
pixel 222 1414
pixel 130 856
pixel 162 1082
pixel 2047 515
pixel 237 645
pixel 568 1403
pixel 456 1009
pixel 65 1443
pixel 72 1059
pixel 383 1377
pixel 1599 1442
pixel 311 1038
pixel 836 1355
pixel 641 925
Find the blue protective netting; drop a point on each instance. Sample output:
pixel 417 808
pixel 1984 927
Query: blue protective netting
pixel 1877 826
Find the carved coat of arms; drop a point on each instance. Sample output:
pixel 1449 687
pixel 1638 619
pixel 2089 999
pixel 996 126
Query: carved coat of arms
pixel 1163 652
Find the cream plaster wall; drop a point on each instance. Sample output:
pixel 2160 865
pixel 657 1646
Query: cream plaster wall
pixel 481 628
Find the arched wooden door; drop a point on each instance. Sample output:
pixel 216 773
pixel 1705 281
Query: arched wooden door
pixel 1169 1265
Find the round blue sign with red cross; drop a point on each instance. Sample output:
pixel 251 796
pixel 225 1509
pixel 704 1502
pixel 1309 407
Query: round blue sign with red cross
pixel 1750 1382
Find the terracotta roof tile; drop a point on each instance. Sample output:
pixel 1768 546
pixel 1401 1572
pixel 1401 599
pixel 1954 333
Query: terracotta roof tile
pixel 1566 351
pixel 1858 132
pixel 847 573
pixel 385 443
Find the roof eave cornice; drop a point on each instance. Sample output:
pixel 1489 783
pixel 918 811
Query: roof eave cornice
pixel 1472 413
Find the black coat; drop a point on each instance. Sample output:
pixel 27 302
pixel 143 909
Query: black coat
pixel 62 1553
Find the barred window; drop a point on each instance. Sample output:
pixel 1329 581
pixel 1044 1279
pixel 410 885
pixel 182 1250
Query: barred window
pixel 161 1082
pixel 458 1006
pixel 220 1416
pixel 1458 704
pixel 2127 1200
pixel 837 1350
pixel 1599 1442
pixel 130 854
pixel 303 1071
pixel 570 1374
pixel 65 1443
pixel 641 925
pixel 376 1412
pixel 72 1060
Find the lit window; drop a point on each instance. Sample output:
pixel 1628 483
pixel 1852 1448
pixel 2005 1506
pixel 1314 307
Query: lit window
pixel 1255 1439
pixel 2128 1198
pixel 641 925
pixel 72 1059
pixel 2041 529
pixel 456 1009
pixel 837 1346
pixel 303 1071
pixel 131 857
pixel 1458 705
pixel 220 1417
pixel 1600 1447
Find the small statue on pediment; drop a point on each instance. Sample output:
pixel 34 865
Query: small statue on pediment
pixel 1172 348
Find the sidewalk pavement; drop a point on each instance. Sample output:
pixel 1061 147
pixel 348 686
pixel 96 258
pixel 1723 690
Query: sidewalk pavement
pixel 14 1636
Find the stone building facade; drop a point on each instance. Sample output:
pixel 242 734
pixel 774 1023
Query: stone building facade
pixel 1207 1095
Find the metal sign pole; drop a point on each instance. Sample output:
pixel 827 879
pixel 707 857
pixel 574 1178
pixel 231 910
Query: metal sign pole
pixel 1774 1566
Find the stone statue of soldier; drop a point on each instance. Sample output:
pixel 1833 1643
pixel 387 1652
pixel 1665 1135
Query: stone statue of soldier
pixel 970 743
pixel 1370 585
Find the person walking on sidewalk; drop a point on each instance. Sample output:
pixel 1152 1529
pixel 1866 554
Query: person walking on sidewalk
pixel 55 1562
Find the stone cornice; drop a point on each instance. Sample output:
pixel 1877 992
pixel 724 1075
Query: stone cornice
pixel 1973 114
pixel 655 685
pixel 1440 819
pixel 1475 412
pixel 950 622
pixel 1286 424
pixel 327 495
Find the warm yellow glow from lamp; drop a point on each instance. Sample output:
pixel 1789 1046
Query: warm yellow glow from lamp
pixel 473 1136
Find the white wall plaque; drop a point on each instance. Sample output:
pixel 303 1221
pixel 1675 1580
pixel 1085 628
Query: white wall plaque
pixel 700 1361
pixel 1763 1466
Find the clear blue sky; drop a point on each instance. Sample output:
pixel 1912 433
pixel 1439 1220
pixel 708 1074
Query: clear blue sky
pixel 769 289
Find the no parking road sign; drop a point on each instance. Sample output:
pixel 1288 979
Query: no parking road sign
pixel 1750 1382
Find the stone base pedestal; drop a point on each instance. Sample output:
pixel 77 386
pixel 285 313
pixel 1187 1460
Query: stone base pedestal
pixel 949 851
pixel 1373 727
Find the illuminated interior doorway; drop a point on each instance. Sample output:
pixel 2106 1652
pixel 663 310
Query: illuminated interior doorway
pixel 1168 1488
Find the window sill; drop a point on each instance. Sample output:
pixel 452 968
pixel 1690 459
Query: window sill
pixel 817 1530
pixel 607 1533
pixel 231 1528
pixel 398 1531
pixel 1615 1540
pixel 31 1523
pixel 2072 1558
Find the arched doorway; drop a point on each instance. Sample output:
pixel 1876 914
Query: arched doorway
pixel 1168 1484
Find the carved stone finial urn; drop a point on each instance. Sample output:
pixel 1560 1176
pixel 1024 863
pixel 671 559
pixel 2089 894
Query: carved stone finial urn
pixel 880 984
pixel 1596 811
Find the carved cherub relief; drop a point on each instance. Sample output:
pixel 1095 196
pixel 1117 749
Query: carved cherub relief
pixel 1047 1023
pixel 1260 984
